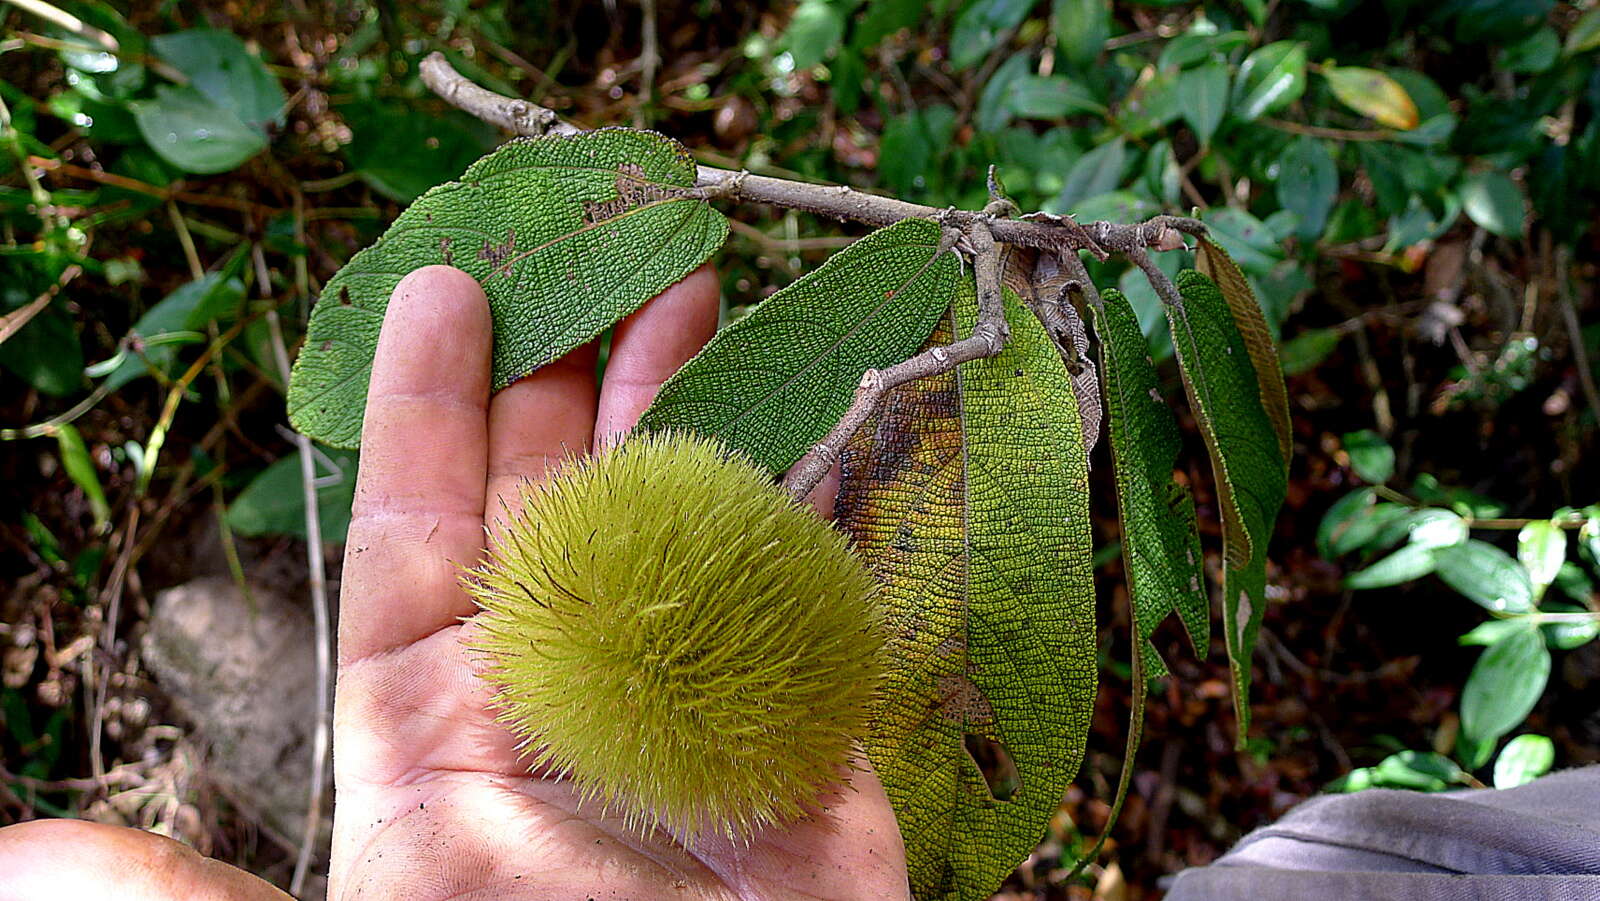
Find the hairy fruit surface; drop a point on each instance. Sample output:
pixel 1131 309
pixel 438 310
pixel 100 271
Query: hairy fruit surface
pixel 668 628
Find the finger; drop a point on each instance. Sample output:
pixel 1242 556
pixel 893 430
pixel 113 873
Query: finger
pixel 823 496
pixel 536 422
pixel 650 345
pixel 91 861
pixel 419 496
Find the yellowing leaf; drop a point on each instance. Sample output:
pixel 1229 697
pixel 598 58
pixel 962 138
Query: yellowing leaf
pixel 1373 93
pixel 1215 264
pixel 969 499
pixel 776 381
pixel 566 234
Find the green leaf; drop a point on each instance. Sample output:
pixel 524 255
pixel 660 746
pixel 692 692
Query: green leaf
pixel 1533 54
pixel 438 147
pixel 1348 513
pixel 1051 97
pixel 1150 105
pixel 1247 239
pixel 1589 533
pixel 776 381
pixel 1418 771
pixel 75 460
pixel 994 103
pixel 1097 172
pixel 1081 28
pixel 978 28
pixel 220 67
pixel 1305 351
pixel 969 498
pixel 883 18
pixel 1269 79
pixel 1486 575
pixel 1214 263
pixel 1308 184
pixel 1493 201
pixel 187 309
pixel 1572 633
pixel 1523 759
pixel 1225 396
pixel 1160 545
pixel 911 143
pixel 1371 457
pixel 46 353
pixel 1490 631
pixel 1200 43
pixel 1434 528
pixel 814 32
pixel 1585 35
pixel 195 133
pixel 566 234
pixel 1373 94
pixel 1541 549
pixel 274 503
pixel 1203 96
pixel 1504 685
pixel 1409 563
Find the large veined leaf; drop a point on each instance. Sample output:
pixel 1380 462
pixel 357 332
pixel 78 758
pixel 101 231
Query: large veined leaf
pixel 968 497
pixel 1225 395
pixel 776 381
pixel 566 234
pixel 1215 264
pixel 1160 545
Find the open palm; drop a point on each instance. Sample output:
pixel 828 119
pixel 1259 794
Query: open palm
pixel 431 800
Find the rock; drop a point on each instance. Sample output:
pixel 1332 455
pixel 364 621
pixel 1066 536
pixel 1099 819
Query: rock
pixel 245 675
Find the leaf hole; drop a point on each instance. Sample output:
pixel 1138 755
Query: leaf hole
pixel 344 296
pixel 999 771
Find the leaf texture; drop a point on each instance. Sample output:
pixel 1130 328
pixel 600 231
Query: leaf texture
pixel 566 234
pixel 776 381
pixel 1040 283
pixel 1215 264
pixel 969 499
pixel 1160 545
pixel 1225 395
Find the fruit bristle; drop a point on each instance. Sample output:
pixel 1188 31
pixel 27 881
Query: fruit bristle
pixel 668 628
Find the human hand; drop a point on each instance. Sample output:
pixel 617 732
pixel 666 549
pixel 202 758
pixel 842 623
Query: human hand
pixel 432 800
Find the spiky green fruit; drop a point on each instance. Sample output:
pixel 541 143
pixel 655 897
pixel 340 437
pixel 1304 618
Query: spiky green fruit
pixel 668 628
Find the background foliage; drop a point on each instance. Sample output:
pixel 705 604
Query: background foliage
pixel 1409 186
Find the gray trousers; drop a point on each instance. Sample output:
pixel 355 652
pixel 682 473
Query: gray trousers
pixel 1534 842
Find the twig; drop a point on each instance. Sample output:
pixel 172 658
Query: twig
pixel 1319 131
pixel 987 339
pixel 649 61
pixel 1569 315
pixel 133 184
pixel 186 241
pixel 1165 289
pixel 12 322
pixel 68 21
pixel 1059 234
pixel 319 609
pixel 980 232
pixel 789 245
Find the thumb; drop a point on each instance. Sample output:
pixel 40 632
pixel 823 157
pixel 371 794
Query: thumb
pixel 50 859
